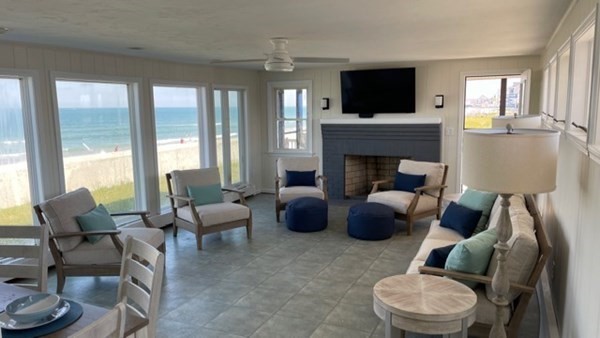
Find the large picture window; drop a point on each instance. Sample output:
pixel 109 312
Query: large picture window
pixel 291 114
pixel 96 139
pixel 229 120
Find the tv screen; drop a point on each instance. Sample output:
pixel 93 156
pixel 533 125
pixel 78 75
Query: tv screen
pixel 374 91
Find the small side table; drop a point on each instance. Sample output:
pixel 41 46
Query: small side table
pixel 424 304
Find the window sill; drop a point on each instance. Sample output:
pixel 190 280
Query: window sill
pixel 594 152
pixel 292 153
pixel 560 126
pixel 579 139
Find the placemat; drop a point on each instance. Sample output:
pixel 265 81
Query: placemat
pixel 74 313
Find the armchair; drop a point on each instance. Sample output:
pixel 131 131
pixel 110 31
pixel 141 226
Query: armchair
pixel 423 202
pixel 285 193
pixel 76 256
pixel 207 213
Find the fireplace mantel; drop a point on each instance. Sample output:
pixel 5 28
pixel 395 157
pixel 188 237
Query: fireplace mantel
pixel 415 138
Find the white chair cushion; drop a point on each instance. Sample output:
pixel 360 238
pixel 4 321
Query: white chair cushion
pixel 192 177
pixel 434 172
pixel 287 194
pixel 486 309
pixel 61 212
pixel 214 214
pixel 296 164
pixel 414 266
pixel 400 200
pixel 104 251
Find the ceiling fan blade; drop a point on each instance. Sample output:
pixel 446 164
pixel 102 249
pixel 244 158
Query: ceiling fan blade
pixel 321 60
pixel 236 61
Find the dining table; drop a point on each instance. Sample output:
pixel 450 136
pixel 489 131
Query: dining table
pixel 90 313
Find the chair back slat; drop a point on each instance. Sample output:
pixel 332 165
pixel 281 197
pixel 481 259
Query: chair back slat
pixel 20 260
pixel 139 272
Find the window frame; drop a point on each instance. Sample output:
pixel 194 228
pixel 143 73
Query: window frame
pixel 272 86
pixel 561 122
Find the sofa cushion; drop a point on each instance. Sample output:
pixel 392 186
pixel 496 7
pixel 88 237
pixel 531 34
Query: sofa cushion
pixel 472 255
pixel 486 309
pixel 433 170
pixel 205 194
pixel 287 194
pixel 461 219
pixel 437 257
pixel 523 253
pixel 400 200
pixel 408 182
pixel 300 178
pixel 96 220
pixel 479 200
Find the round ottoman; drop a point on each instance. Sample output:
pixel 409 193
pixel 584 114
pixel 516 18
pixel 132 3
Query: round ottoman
pixel 371 221
pixel 306 214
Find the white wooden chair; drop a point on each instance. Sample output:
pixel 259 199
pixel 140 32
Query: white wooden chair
pixel 23 255
pixel 424 202
pixel 142 270
pixel 285 193
pixel 202 219
pixel 111 325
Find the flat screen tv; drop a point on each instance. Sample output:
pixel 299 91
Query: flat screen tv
pixel 374 91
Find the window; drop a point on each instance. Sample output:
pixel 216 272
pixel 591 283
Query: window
pixel 95 121
pixel 290 115
pixel 552 89
pixel 562 86
pixel 230 139
pixel 582 54
pixel 16 148
pixel 490 96
pixel 177 112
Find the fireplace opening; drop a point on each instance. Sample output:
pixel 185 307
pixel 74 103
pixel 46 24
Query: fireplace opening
pixel 360 171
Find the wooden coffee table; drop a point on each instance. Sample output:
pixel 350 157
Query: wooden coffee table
pixel 424 304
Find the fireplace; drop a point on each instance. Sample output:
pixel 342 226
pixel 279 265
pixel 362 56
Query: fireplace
pixel 360 171
pixel 415 138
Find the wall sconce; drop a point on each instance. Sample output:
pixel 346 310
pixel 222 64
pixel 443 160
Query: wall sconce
pixel 325 103
pixel 439 101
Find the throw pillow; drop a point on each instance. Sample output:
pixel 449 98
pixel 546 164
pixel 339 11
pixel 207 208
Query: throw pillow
pixel 437 257
pixel 472 255
pixel 408 182
pixel 479 200
pixel 205 194
pixel 460 219
pixel 300 178
pixel 96 220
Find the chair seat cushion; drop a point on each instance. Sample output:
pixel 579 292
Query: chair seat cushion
pixel 287 194
pixel 104 251
pixel 400 200
pixel 214 214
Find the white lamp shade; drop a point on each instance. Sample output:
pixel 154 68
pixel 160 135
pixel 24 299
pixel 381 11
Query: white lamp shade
pixel 519 121
pixel 523 162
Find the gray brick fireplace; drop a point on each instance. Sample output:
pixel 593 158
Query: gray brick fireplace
pixel 418 139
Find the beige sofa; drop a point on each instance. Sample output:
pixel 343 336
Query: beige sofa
pixel 529 251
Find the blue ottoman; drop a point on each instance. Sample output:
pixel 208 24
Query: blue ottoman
pixel 371 221
pixel 306 214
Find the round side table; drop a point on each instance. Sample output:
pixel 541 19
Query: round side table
pixel 424 304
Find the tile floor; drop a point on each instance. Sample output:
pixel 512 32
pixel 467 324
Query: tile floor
pixel 279 284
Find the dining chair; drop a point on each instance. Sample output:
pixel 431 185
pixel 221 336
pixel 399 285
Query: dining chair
pixel 111 325
pixel 142 270
pixel 83 237
pixel 23 255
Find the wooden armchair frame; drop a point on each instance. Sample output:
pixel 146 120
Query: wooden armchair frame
pixel 197 227
pixel 520 303
pixel 411 214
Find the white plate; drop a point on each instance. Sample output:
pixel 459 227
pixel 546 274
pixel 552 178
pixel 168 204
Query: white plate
pixel 10 324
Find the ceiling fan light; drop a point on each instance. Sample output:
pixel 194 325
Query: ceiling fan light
pixel 278 66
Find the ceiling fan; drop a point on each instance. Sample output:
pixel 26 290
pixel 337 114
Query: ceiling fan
pixel 280 60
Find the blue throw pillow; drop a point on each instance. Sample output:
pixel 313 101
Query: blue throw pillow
pixel 408 182
pixel 96 220
pixel 437 257
pixel 300 178
pixel 472 255
pixel 205 194
pixel 479 200
pixel 460 219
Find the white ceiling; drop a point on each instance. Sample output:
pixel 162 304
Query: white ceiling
pixel 197 31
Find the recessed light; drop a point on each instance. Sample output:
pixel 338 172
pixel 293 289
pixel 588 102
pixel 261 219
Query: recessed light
pixel 3 30
pixel 136 48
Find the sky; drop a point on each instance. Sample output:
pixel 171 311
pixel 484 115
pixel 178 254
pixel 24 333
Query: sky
pixel 486 87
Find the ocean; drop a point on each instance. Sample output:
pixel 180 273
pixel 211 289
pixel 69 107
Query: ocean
pixel 96 130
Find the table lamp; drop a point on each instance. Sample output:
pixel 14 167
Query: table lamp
pixel 507 162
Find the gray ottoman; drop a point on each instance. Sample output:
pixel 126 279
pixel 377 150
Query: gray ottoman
pixel 371 221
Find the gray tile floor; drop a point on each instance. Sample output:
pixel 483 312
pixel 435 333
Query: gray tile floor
pixel 279 284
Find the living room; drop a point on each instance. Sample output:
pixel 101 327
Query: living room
pixel 569 212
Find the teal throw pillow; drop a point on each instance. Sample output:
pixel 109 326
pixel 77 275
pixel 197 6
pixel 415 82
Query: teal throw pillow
pixel 479 200
pixel 408 182
pixel 472 255
pixel 97 219
pixel 205 194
